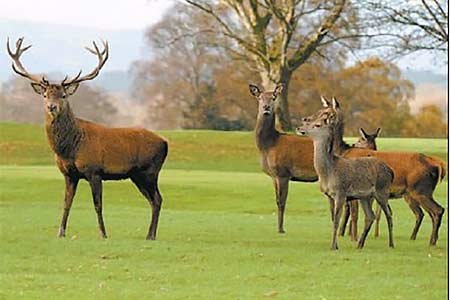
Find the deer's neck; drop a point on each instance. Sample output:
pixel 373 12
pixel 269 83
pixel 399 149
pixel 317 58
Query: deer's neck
pixel 339 145
pixel 63 133
pixel 324 157
pixel 266 134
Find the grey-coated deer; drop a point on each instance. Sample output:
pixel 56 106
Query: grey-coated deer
pixel 342 179
pixel 365 141
pixel 284 157
pixel 90 151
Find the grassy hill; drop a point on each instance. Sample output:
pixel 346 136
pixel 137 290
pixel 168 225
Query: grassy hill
pixel 23 144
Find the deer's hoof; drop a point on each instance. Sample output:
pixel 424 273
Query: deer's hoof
pixel 61 233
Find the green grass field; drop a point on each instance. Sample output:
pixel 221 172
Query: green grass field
pixel 217 234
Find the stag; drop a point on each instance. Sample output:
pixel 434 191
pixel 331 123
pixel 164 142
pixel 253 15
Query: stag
pixel 342 179
pixel 415 175
pixel 90 151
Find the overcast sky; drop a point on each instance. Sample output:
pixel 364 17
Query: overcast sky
pixel 128 15
pixel 100 14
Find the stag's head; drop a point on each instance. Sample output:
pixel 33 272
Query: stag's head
pixel 366 140
pixel 266 100
pixel 55 94
pixel 328 108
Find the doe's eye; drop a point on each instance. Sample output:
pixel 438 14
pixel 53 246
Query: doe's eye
pixel 63 96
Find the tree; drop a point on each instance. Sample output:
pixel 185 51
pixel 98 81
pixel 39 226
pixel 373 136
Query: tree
pixel 277 37
pixel 401 27
pixel 427 123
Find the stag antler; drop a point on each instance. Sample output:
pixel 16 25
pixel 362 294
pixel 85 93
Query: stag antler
pixel 17 65
pixel 102 57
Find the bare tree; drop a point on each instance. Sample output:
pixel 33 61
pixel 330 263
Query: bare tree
pixel 407 26
pixel 277 37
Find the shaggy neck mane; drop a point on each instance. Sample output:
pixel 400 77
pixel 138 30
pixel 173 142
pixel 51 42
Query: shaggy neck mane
pixel 324 155
pixel 266 134
pixel 63 134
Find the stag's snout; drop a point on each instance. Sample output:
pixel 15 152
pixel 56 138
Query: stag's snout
pixel 52 108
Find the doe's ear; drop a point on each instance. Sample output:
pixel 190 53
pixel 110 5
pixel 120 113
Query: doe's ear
pixel 254 90
pixel 38 88
pixel 71 88
pixel 363 133
pixel 278 89
pixel 377 133
pixel 325 102
pixel 335 103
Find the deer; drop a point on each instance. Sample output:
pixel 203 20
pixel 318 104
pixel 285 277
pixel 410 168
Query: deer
pixel 342 179
pixel 91 151
pixel 366 141
pixel 284 157
pixel 415 175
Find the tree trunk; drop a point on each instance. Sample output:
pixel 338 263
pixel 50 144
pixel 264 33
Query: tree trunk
pixel 282 116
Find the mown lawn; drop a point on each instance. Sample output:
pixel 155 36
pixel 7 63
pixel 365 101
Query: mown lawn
pixel 217 234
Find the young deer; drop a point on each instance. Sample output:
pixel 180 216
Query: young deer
pixel 342 179
pixel 86 150
pixel 415 175
pixel 284 157
pixel 365 141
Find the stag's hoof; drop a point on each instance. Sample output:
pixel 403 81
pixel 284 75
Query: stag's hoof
pixel 150 238
pixel 281 231
pixel 334 247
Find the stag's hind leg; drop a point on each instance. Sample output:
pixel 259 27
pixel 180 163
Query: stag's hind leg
pixel 281 185
pixel 148 186
pixel 71 188
pixel 377 220
pixel 353 230
pixel 95 181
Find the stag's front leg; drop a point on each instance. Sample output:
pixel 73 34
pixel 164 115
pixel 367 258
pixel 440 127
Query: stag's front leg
pixel 71 188
pixel 96 186
pixel 281 191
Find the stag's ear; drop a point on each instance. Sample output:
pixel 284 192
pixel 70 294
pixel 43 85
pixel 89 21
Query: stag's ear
pixel 377 133
pixel 335 104
pixel 363 133
pixel 278 90
pixel 254 90
pixel 71 88
pixel 325 102
pixel 38 88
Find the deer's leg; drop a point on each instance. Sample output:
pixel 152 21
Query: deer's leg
pixel 339 202
pixel 281 190
pixel 377 220
pixel 383 204
pixel 148 186
pixel 369 218
pixel 345 217
pixel 415 207
pixel 71 188
pixel 353 230
pixel 95 182
pixel 435 211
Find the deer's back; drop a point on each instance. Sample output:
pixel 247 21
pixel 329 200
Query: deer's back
pixel 117 151
pixel 361 176
pixel 410 169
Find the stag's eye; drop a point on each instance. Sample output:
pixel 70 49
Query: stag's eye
pixel 317 125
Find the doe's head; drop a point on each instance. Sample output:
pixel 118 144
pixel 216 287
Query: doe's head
pixel 366 140
pixel 55 95
pixel 266 99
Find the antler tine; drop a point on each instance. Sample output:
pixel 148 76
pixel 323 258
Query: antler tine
pixel 102 57
pixel 17 65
